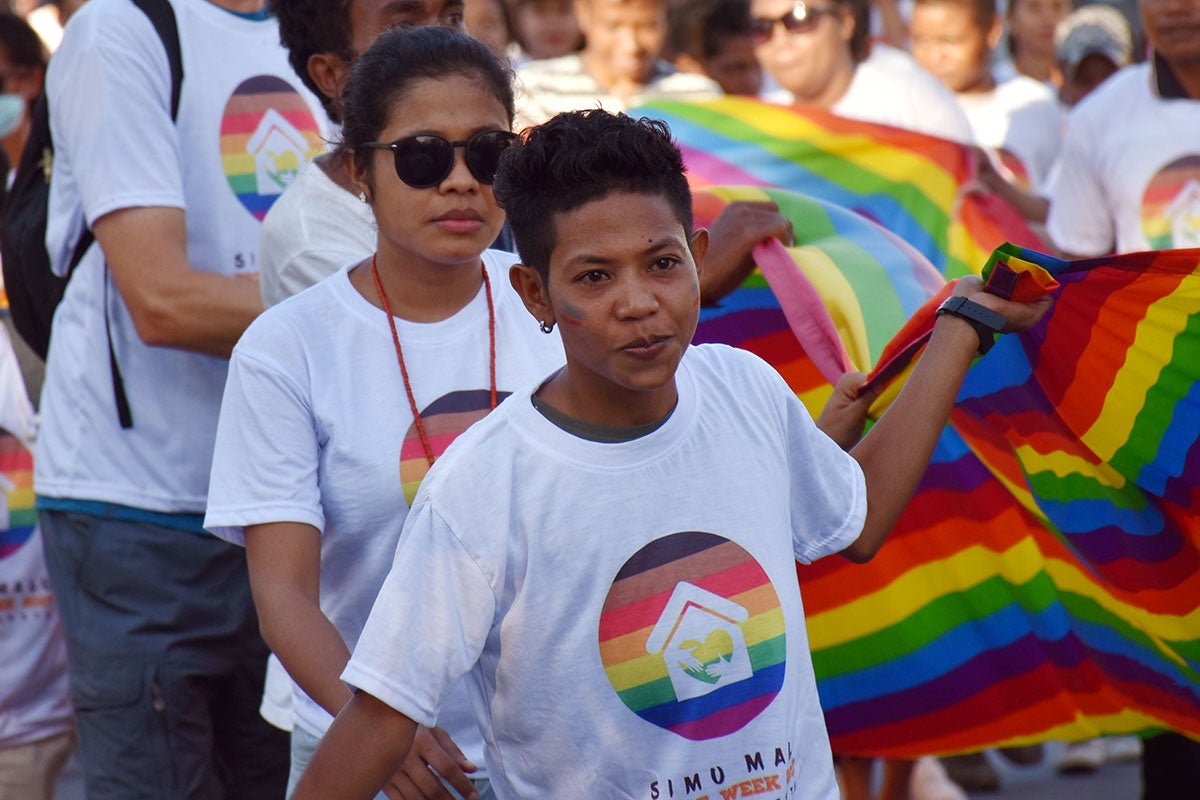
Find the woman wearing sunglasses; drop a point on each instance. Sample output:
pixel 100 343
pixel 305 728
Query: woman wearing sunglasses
pixel 819 53
pixel 340 398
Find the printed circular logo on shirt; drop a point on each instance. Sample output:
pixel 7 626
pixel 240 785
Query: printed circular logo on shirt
pixel 268 134
pixel 692 636
pixel 444 419
pixel 17 514
pixel 1171 206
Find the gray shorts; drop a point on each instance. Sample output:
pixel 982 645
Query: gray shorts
pixel 166 662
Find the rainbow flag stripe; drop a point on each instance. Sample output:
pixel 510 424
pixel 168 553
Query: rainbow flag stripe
pixel 1043 583
pixel 919 187
pixel 643 614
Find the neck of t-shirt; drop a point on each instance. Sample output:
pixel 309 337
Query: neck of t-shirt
pixel 595 431
pixel 260 14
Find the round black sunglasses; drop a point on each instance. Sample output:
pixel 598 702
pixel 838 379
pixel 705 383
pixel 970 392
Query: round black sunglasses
pixel 426 160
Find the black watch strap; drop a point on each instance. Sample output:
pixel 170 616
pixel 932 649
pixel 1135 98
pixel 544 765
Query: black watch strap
pixel 987 323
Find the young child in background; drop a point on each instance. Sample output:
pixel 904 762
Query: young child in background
pixel 543 29
pixel 615 546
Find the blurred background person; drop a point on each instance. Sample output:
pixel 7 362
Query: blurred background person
pixel 820 54
pixel 1029 34
pixel 715 38
pixel 1018 118
pixel 1091 44
pixel 620 66
pixel 542 29
pixel 487 22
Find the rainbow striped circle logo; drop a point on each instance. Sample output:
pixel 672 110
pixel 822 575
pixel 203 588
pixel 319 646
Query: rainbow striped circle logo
pixel 1171 206
pixel 17 514
pixel 268 133
pixel 444 419
pixel 692 635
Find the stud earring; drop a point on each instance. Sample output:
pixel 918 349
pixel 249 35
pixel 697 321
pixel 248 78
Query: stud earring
pixel 546 327
pixel 362 197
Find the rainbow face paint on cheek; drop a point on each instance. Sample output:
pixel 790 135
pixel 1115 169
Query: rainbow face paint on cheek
pixel 570 314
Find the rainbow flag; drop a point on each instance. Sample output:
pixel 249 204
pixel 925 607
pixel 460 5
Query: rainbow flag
pixel 919 187
pixel 1044 582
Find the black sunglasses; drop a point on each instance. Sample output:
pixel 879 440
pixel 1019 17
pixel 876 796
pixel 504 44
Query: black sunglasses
pixel 803 18
pixel 424 161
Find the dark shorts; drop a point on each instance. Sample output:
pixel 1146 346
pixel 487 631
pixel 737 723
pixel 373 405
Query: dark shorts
pixel 166 662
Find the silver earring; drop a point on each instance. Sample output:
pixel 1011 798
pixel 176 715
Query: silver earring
pixel 546 327
pixel 362 197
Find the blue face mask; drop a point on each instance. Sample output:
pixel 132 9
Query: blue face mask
pixel 12 113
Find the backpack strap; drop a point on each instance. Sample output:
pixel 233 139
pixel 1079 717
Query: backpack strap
pixel 162 16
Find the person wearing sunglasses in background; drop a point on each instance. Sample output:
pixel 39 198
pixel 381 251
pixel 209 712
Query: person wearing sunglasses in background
pixel 820 54
pixel 341 398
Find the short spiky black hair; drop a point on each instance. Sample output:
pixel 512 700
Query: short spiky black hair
pixel 578 157
pixel 309 27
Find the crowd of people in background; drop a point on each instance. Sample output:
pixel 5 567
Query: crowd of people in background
pixel 292 180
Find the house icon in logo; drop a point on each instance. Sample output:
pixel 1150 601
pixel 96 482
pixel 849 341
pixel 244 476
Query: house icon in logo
pixel 699 636
pixel 279 151
pixel 1184 214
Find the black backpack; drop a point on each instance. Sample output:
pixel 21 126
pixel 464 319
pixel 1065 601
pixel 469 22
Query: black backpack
pixel 34 291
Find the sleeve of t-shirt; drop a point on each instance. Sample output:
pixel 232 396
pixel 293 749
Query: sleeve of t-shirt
pixel 829 491
pixel 429 623
pixel 266 452
pixel 109 89
pixel 1080 220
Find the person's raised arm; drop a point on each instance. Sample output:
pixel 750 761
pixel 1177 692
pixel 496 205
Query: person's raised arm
pixel 896 451
pixel 172 303
pixel 366 744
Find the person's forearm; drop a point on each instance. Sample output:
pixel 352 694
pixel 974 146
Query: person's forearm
pixel 203 312
pixel 307 644
pixel 896 451
pixel 363 748
pixel 172 303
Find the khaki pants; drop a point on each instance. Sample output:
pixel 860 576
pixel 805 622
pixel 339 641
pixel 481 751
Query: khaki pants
pixel 30 771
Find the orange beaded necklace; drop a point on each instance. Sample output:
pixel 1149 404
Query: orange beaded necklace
pixel 412 403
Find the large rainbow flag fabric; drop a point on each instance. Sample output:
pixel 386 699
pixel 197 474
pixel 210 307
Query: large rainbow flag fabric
pixel 919 187
pixel 1044 582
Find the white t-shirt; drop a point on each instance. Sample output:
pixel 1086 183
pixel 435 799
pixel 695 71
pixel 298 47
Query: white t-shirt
pixel 627 614
pixel 549 86
pixel 890 88
pixel 316 428
pixel 35 701
pixel 1130 170
pixel 245 127
pixel 1023 120
pixel 311 232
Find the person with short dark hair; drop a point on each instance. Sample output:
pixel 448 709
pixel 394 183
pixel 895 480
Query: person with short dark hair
pixel 608 559
pixel 714 38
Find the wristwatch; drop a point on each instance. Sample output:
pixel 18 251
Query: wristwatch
pixel 987 323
